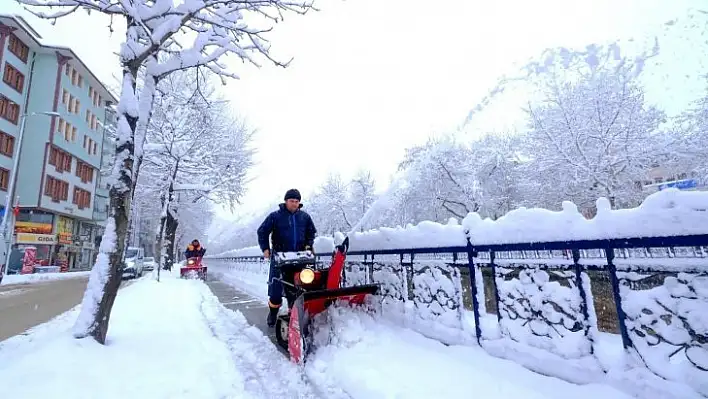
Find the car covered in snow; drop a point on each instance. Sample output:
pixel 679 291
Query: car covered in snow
pixel 133 264
pixel 149 263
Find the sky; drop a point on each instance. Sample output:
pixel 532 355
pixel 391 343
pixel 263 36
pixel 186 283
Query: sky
pixel 370 77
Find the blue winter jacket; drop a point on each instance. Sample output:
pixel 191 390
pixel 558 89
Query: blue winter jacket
pixel 291 231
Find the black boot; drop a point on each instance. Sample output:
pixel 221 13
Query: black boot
pixel 272 316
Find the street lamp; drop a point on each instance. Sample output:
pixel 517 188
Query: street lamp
pixel 11 188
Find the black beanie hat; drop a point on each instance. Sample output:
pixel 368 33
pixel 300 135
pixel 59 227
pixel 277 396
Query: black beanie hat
pixel 292 194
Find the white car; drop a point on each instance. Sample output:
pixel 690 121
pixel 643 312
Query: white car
pixel 149 263
pixel 133 262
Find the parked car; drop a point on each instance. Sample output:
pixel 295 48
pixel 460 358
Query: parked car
pixel 149 263
pixel 134 257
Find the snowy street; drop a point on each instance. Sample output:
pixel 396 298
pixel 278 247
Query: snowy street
pixel 25 305
pixel 174 339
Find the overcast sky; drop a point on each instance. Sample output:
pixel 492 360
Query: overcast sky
pixel 372 77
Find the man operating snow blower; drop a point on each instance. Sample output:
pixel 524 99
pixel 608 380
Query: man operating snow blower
pixel 292 230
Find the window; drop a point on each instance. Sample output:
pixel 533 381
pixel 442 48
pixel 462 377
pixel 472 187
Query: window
pixel 67 71
pixel 94 122
pixel 84 171
pixel 67 131
pixel 73 134
pixel 60 160
pixel 17 47
pixel 60 126
pixel 77 106
pixel 85 141
pixel 7 144
pixel 65 98
pixel 9 110
pixel 71 103
pixel 57 189
pixel 88 116
pixel 81 81
pixel 74 77
pixel 13 77
pixel 82 198
pixel 4 179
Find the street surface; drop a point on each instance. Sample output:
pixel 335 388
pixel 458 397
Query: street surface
pixel 23 306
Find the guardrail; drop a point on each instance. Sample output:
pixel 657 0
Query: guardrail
pixel 564 298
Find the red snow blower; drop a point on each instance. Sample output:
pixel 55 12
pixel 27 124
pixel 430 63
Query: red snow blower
pixel 194 268
pixel 311 291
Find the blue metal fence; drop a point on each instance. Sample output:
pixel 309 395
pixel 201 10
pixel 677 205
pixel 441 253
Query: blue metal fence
pixel 561 294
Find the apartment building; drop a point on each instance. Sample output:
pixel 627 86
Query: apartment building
pixel 61 153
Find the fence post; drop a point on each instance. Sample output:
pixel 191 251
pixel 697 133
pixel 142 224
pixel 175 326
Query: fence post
pixel 621 316
pixel 492 255
pixel 473 283
pixel 583 297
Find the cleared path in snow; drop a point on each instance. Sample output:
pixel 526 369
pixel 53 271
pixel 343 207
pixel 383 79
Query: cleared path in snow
pixel 371 357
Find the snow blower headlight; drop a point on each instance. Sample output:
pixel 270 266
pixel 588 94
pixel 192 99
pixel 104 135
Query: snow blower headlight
pixel 190 262
pixel 307 276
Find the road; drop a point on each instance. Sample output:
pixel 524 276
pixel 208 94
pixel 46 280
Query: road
pixel 23 306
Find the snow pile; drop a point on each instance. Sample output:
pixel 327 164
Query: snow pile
pixel 668 212
pixel 371 358
pixel 425 234
pixel 40 277
pixel 97 280
pixel 167 340
pixel 237 253
pixel 543 313
pixel 668 325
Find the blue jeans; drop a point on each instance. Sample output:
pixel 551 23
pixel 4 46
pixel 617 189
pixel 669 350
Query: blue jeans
pixel 275 287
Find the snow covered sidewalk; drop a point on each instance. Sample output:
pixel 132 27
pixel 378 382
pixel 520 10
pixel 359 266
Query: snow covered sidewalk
pixel 41 277
pixel 370 357
pixel 166 340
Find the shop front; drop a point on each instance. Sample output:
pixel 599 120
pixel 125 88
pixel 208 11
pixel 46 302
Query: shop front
pixel 42 252
pixel 67 251
pixel 33 229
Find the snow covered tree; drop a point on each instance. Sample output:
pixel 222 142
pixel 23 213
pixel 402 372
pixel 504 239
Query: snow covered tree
pixel 162 36
pixel 194 153
pixel 690 154
pixel 593 135
pixel 361 196
pixel 330 206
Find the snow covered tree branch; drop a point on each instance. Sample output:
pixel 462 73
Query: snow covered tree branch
pixel 162 37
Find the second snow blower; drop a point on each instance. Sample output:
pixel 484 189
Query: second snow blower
pixel 310 291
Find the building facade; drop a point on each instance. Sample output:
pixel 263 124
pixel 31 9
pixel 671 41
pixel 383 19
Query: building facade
pixel 61 153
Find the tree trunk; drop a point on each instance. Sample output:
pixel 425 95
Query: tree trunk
pixel 170 230
pixel 120 197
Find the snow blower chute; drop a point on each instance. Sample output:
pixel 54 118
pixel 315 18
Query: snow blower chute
pixel 194 268
pixel 309 291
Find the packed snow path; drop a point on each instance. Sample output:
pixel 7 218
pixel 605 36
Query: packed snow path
pixel 372 358
pixel 166 340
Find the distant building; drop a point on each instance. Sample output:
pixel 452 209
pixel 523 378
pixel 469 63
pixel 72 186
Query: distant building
pixel 59 162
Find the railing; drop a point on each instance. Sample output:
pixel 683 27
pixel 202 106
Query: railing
pixel 570 299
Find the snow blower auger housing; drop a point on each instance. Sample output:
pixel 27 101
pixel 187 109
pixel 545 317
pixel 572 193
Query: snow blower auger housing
pixel 194 268
pixel 311 290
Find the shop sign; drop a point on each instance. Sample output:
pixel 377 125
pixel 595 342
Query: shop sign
pixel 65 238
pixel 33 228
pixel 47 239
pixel 65 228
